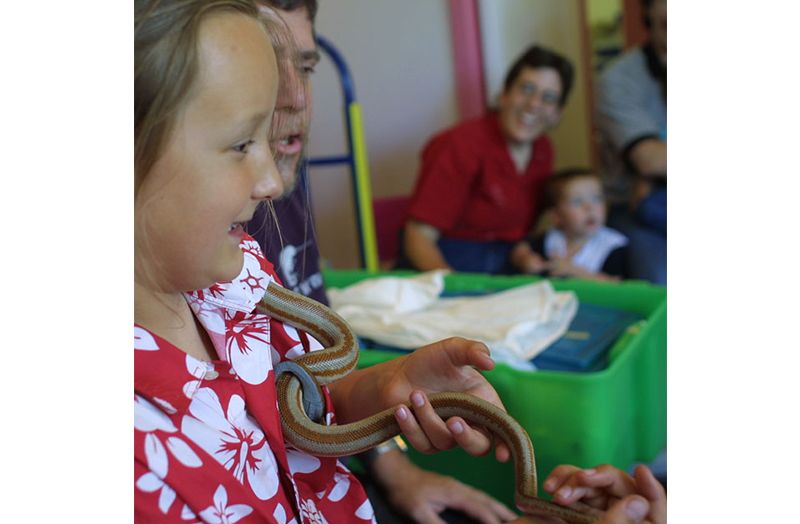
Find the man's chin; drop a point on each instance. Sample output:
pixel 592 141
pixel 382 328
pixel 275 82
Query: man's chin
pixel 289 168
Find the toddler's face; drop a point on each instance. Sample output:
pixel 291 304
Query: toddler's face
pixel 217 165
pixel 581 211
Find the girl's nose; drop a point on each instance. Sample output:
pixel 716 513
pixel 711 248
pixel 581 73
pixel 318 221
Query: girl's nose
pixel 269 183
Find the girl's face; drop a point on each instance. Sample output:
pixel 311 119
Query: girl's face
pixel 581 210
pixel 216 166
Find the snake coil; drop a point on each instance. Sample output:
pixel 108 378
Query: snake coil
pixel 338 358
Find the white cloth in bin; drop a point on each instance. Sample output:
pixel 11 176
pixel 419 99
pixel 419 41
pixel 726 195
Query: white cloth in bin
pixel 516 324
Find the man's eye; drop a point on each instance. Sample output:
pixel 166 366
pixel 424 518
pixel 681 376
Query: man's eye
pixel 242 148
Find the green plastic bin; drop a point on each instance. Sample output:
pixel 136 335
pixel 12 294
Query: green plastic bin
pixel 615 416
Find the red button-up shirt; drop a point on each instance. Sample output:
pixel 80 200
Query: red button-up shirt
pixel 470 189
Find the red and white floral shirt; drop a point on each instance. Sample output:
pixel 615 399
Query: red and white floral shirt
pixel 208 445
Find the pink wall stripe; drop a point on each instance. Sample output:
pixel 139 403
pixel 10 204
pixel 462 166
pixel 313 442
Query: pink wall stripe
pixel 467 58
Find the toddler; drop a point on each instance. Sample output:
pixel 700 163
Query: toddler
pixel 578 244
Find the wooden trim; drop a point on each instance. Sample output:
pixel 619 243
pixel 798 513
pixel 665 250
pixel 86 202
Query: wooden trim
pixel 634 30
pixel 588 75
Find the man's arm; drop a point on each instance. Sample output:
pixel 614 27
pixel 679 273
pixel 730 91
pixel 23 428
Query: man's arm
pixel 423 495
pixel 649 158
pixel 419 243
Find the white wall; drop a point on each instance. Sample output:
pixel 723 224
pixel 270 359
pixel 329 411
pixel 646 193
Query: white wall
pixel 399 52
pixel 400 56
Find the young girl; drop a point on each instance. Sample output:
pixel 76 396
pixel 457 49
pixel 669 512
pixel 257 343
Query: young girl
pixel 579 244
pixel 208 443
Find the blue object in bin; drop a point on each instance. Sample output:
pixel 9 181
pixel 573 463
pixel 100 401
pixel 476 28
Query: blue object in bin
pixel 585 345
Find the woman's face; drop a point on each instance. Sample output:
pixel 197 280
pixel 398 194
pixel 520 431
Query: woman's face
pixel 216 166
pixel 531 105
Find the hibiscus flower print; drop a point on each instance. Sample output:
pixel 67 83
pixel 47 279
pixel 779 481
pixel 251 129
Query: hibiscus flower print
pixel 232 438
pixel 310 514
pixel 222 513
pixel 148 418
pixel 247 347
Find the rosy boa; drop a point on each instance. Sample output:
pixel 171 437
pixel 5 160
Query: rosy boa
pixel 340 357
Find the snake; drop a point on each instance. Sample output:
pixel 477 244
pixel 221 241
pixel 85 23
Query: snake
pixel 299 392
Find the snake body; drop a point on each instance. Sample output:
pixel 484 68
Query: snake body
pixel 340 357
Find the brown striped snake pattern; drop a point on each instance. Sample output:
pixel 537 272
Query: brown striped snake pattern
pixel 340 357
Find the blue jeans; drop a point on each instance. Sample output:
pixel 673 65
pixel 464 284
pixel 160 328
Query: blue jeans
pixel 652 211
pixel 647 250
pixel 470 256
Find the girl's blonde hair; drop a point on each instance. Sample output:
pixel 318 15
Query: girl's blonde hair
pixel 165 67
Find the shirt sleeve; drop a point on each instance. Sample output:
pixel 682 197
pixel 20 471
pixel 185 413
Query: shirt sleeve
pixel 622 115
pixel 448 171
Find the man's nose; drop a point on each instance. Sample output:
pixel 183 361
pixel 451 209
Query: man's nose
pixel 292 90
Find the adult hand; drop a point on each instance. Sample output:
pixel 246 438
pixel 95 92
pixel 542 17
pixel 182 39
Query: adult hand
pixel 448 365
pixel 422 495
pixel 534 263
pixel 630 510
pixel 612 490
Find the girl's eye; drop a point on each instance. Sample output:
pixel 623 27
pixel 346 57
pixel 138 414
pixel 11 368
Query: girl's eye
pixel 242 148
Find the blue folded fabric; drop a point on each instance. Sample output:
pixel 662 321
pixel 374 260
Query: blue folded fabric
pixel 585 346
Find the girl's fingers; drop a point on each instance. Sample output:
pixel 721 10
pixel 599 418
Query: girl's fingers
pixel 653 491
pixel 630 510
pixel 647 484
pixel 432 424
pixel 605 478
pixel 473 441
pixel 412 432
pixel 558 477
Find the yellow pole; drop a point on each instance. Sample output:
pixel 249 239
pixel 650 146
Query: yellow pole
pixel 369 243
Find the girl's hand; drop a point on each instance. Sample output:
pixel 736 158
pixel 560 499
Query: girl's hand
pixel 449 365
pixel 612 490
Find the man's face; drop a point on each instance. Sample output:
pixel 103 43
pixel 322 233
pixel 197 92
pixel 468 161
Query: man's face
pixel 531 106
pixel 295 101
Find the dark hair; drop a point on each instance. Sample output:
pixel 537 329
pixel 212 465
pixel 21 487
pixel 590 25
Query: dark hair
pixel 537 57
pixel 554 187
pixel 291 5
